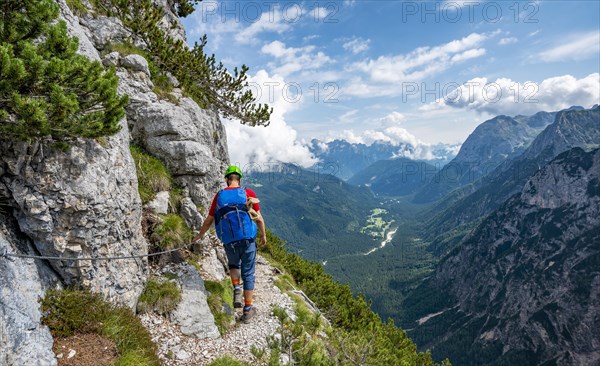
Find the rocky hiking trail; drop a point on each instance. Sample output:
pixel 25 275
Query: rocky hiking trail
pixel 175 348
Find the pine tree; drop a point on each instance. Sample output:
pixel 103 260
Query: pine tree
pixel 207 81
pixel 47 90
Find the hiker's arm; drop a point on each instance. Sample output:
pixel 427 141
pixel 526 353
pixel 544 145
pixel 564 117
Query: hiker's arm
pixel 260 222
pixel 205 226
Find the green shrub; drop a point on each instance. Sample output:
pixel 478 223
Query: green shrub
pixel 47 89
pixel 77 7
pixel 69 311
pixel 219 294
pixel 172 232
pixel 152 174
pixel 298 339
pixel 159 296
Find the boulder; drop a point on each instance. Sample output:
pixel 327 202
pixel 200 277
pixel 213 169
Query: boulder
pixel 160 203
pixel 193 314
pixel 136 63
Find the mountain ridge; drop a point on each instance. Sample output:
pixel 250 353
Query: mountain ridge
pixel 491 143
pixel 546 232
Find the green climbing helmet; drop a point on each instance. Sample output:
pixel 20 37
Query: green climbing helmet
pixel 233 169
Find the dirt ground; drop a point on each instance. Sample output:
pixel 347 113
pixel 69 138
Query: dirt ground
pixel 90 350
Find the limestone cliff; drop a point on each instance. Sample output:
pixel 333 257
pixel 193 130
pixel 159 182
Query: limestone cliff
pixel 84 202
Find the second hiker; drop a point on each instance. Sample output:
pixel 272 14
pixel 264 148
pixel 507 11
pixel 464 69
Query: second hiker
pixel 237 231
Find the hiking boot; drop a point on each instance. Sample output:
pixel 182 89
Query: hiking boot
pixel 248 314
pixel 238 302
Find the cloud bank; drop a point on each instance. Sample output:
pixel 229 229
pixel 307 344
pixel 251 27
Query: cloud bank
pixel 505 96
pixel 257 146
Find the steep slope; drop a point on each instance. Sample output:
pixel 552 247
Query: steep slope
pixel 318 214
pixel 571 128
pixel 490 144
pixel 395 177
pixel 523 287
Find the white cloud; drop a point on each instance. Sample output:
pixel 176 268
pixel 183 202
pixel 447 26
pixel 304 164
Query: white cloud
pixel 505 96
pixel 395 136
pixel 276 143
pixel 319 14
pixel 384 73
pixel 357 45
pixel 311 37
pixel 574 47
pixel 295 59
pixel 393 118
pixel 507 40
pixel 348 116
pixel 273 20
pixel 468 54
pixel 207 20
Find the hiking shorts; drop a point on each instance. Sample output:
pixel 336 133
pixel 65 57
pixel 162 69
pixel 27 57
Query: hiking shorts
pixel 241 254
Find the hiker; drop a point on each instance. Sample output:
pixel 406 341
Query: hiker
pixel 237 231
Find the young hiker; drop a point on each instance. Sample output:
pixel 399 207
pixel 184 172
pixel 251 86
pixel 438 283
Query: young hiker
pixel 237 231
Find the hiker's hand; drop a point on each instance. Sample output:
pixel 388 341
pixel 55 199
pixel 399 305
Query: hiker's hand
pixel 263 240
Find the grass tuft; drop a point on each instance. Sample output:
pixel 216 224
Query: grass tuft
pixel 175 197
pixel 68 311
pixel 172 232
pixel 77 7
pixel 158 296
pixel 153 175
pixel 219 294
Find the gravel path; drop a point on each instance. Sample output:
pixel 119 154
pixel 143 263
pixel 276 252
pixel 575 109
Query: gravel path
pixel 237 342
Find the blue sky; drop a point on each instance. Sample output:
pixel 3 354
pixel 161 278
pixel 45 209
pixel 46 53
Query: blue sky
pixel 399 71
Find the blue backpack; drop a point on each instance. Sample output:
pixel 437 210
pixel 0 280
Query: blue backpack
pixel 232 220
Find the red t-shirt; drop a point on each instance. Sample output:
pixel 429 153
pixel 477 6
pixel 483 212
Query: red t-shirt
pixel 249 193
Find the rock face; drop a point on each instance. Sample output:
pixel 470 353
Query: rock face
pixel 82 203
pixel 24 340
pixel 191 141
pixel 193 314
pixel 523 288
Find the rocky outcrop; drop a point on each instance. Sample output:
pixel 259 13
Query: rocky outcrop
pixel 191 141
pixel 193 314
pixel 82 202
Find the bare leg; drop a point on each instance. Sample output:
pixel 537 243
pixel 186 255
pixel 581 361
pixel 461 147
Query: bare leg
pixel 235 274
pixel 248 295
